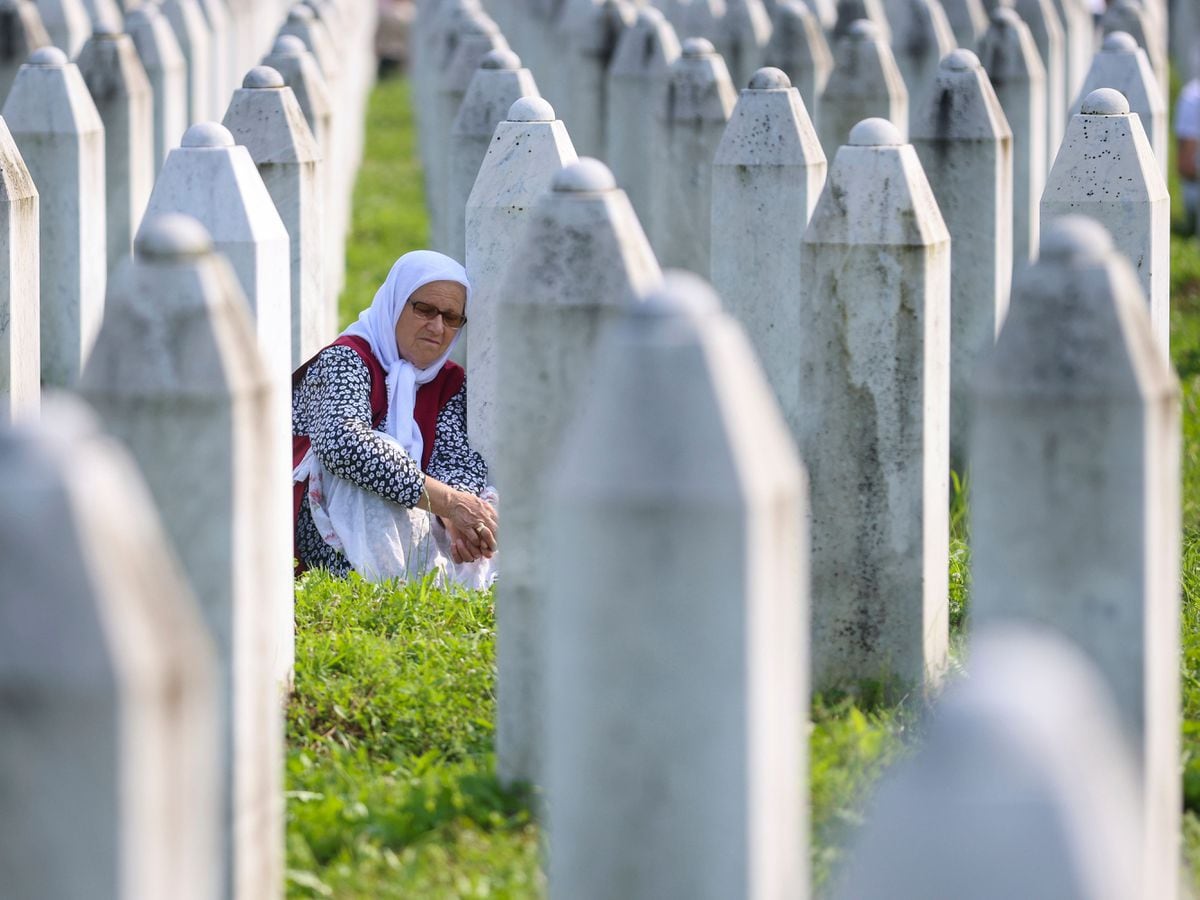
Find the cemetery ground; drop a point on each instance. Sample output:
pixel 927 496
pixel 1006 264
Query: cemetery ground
pixel 390 770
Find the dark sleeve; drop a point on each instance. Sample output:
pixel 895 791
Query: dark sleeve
pixel 453 461
pixel 332 405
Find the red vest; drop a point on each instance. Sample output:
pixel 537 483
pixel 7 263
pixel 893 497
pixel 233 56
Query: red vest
pixel 431 398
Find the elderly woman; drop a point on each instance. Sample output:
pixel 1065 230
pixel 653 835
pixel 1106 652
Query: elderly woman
pixel 385 480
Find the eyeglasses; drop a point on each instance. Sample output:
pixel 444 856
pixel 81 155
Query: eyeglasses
pixel 429 311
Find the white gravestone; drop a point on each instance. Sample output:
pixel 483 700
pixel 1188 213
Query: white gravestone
pixel 108 732
pixel 1013 66
pixel 582 258
pixel 850 11
pixel 637 76
pixel 692 113
pixel 216 182
pixel 1047 35
pixel 165 67
pixel 67 24
pixel 1123 66
pixel 1107 171
pixel 57 129
pixel 192 32
pixel 591 41
pixel 177 376
pixel 798 47
pixel 966 149
pixel 874 358
pixel 767 175
pixel 968 19
pixel 745 31
pixel 22 27
pixel 865 83
pixel 265 118
pixel 527 151
pixel 499 83
pixel 221 55
pixel 1075 498
pixel 921 37
pixel 121 91
pixel 1132 18
pixel 682 469
pixel 1022 788
pixel 20 340
pixel 1079 42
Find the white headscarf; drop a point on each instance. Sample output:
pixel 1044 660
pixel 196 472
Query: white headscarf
pixel 377 326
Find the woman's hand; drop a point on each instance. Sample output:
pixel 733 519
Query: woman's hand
pixel 472 523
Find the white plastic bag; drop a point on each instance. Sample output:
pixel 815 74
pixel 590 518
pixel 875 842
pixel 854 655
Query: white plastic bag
pixel 382 539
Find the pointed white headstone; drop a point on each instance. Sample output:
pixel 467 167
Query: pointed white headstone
pixel 682 468
pixel 591 40
pixel 865 83
pixel 921 37
pixel 20 338
pixel 1046 30
pixel 67 24
pixel 798 47
pixel 22 27
pixel 167 70
pixel 193 34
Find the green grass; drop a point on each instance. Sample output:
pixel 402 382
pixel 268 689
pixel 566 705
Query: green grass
pixel 390 772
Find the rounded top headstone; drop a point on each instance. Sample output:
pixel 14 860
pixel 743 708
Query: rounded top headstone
pixel 863 30
pixel 106 27
pixel 697 48
pixel 531 109
pixel 1120 42
pixel 1075 236
pixel 173 236
pixel 650 14
pixel 48 57
pixel 681 293
pixel 1005 15
pixel 961 60
pixel 288 45
pixel 300 13
pixel 1105 102
pixel 769 78
pixel 584 176
pixel 501 59
pixel 207 134
pixel 875 133
pixel 262 77
pixel 140 15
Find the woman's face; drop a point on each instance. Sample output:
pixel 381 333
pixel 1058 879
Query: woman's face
pixel 421 341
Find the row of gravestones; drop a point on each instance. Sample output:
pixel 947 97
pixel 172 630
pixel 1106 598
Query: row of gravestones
pixel 664 108
pixel 141 724
pixel 672 520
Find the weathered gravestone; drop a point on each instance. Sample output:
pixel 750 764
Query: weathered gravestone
pixel 177 376
pixel 968 19
pixel 67 24
pixel 1075 498
pixel 1013 66
pixel 851 11
pixel 210 179
pixel 192 33
pixel 865 83
pixel 921 37
pixel 1022 788
pixel 590 31
pixel 745 31
pixel 767 175
pixel 1106 170
pixel 527 151
pixel 677 521
pixel 167 70
pixel 637 76
pixel 1123 66
pixel 108 732
pixel 799 49
pixel 117 82
pixel 1133 18
pixel 499 82
pixel 874 357
pixel 55 126
pixel 583 257
pixel 966 149
pixel 20 341
pixel 1046 31
pixel 691 116
pixel 265 118
pixel 22 27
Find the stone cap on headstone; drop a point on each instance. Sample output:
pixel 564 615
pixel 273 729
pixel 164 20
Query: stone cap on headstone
pixel 699 87
pixel 503 59
pixel 769 126
pixel 172 237
pixel 499 81
pixel 876 193
pixel 1078 325
pixel 531 109
pixel 263 78
pixel 963 105
pixel 21 25
pixel 645 48
pixel 49 96
pixel 265 117
pixel 1119 42
pixel 1007 32
pixel 288 45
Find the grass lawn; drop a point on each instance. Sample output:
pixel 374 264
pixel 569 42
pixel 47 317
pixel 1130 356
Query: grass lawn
pixel 390 782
